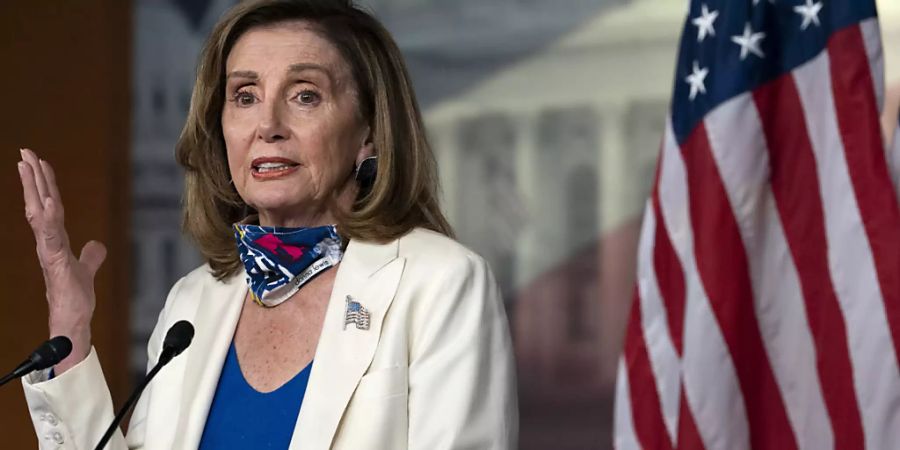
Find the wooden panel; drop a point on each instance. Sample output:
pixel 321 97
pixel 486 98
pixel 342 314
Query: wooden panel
pixel 65 93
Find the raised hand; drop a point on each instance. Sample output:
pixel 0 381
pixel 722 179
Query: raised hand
pixel 69 280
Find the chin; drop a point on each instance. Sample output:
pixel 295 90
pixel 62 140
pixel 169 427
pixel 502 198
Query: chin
pixel 277 204
pixel 281 203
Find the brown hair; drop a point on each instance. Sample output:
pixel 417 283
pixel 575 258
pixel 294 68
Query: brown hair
pixel 405 190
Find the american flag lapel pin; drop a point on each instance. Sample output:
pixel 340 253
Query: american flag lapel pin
pixel 356 314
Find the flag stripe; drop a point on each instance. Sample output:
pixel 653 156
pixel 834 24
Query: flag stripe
pixel 669 276
pixel 796 188
pixel 743 162
pixel 851 258
pixel 708 374
pixel 688 435
pixel 624 439
pixel 664 360
pixel 646 415
pixel 722 266
pixel 858 121
pixel 871 34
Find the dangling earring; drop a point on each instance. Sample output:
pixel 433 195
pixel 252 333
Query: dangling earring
pixel 365 174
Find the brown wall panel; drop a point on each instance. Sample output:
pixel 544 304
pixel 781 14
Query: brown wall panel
pixel 64 68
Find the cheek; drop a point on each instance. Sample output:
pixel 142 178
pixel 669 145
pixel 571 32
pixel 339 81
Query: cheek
pixel 339 138
pixel 332 155
pixel 237 144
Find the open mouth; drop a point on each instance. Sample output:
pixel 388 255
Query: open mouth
pixel 272 167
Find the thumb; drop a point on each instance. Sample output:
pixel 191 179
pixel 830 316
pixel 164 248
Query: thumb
pixel 92 255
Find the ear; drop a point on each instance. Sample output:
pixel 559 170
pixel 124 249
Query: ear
pixel 366 148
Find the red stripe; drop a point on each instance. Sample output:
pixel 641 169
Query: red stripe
pixel 859 124
pixel 688 436
pixel 723 268
pixel 670 278
pixel 669 274
pixel 646 409
pixel 795 185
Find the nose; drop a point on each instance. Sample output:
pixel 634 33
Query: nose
pixel 272 127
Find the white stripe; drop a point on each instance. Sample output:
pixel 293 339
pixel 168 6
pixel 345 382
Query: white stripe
pixel 739 147
pixel 871 33
pixel 664 359
pixel 709 377
pixel 625 438
pixel 875 373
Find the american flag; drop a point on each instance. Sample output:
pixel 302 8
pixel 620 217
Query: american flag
pixel 767 308
pixel 356 314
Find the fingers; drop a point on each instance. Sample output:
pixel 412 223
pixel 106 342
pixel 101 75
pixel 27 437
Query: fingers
pixel 52 187
pixel 53 230
pixel 34 207
pixel 92 255
pixel 53 207
pixel 31 158
pixel 43 209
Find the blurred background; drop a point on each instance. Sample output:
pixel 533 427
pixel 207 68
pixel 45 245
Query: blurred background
pixel 545 115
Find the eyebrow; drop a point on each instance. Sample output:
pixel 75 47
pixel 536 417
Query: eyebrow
pixel 300 67
pixel 243 74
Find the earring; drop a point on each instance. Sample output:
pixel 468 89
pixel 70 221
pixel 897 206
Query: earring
pixel 367 168
pixel 365 174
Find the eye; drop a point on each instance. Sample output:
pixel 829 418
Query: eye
pixel 308 97
pixel 243 98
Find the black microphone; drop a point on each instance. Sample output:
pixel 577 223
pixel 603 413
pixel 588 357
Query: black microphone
pixel 177 339
pixel 49 354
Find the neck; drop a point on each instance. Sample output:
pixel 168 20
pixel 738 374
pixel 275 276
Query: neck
pixel 312 216
pixel 270 219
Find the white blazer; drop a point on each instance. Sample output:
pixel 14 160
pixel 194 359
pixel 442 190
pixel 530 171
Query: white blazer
pixel 434 370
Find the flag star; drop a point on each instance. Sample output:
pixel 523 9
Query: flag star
pixel 705 23
pixel 697 80
pixel 750 42
pixel 810 12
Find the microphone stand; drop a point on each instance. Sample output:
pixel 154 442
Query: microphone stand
pixel 18 372
pixel 177 339
pixel 128 404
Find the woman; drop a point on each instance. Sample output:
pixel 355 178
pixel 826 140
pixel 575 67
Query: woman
pixel 334 311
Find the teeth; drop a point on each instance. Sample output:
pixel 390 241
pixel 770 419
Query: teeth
pixel 268 167
pixel 271 165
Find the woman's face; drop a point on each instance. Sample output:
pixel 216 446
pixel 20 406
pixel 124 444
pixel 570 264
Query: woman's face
pixel 291 124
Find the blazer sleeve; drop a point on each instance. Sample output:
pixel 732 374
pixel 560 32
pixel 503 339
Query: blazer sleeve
pixel 73 410
pixel 462 387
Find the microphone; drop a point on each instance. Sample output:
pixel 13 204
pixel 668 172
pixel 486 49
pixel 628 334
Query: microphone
pixel 49 354
pixel 177 339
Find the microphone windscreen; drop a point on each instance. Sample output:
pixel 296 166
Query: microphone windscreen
pixel 50 353
pixel 179 337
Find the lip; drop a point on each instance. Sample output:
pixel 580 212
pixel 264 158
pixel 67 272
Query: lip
pixel 293 166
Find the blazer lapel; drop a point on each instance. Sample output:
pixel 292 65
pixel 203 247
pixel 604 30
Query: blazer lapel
pixel 369 274
pixel 218 311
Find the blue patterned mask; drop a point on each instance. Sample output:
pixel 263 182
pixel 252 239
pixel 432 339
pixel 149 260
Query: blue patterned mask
pixel 280 260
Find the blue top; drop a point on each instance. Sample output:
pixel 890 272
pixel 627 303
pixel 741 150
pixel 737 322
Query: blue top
pixel 242 417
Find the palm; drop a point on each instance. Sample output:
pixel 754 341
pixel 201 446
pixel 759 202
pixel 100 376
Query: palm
pixel 69 280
